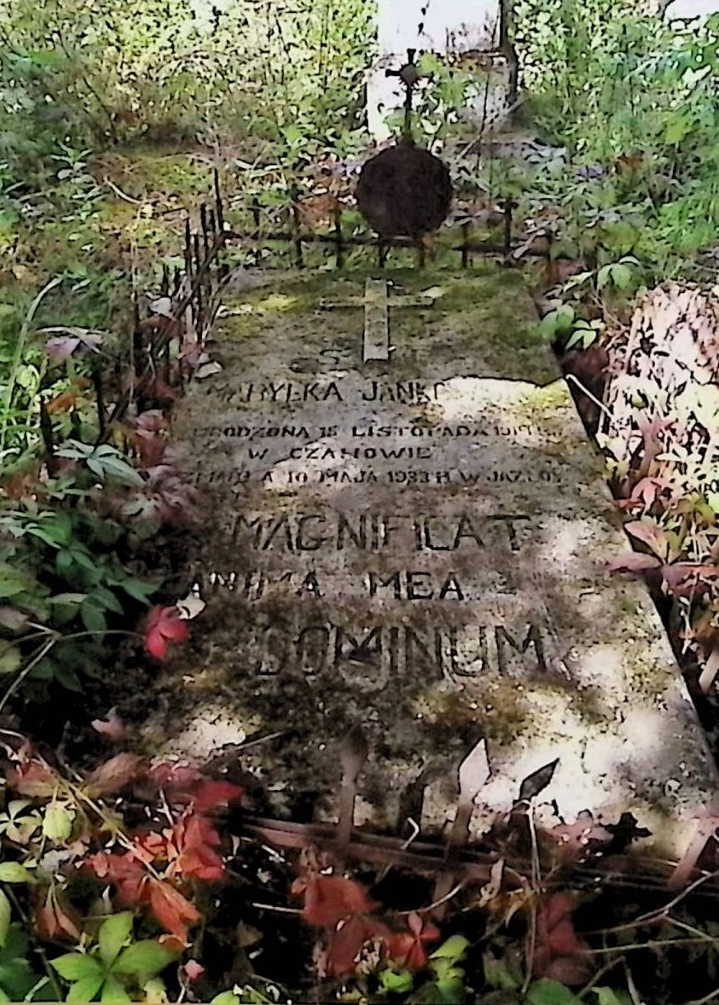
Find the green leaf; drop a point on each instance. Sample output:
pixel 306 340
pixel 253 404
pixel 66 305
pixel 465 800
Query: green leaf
pixel 446 970
pixel 57 823
pixel 113 466
pixel 620 236
pixel 453 948
pixel 16 944
pixel 546 992
pixel 42 535
pixel 67 598
pixel 77 966
pixel 85 990
pixel 93 618
pixel 10 660
pixel 603 277
pixel 16 979
pixel 84 559
pixel 138 590
pixel 398 981
pixel 293 133
pixel 69 679
pixel 676 130
pixel 500 974
pixel 55 532
pixel 5 911
pixel 607 996
pixel 566 313
pixel 450 992
pixel 114 992
pixel 13 872
pixel 143 959
pixel 114 933
pixel 64 561
pixel 12 618
pixel 12 581
pixel 584 334
pixel 621 276
pixel 548 325
pixel 225 998
pixel 155 990
pixel 106 600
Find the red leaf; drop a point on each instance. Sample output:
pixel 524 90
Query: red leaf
pixel 194 838
pixel 193 970
pixel 644 493
pixel 174 777
pixel 171 942
pixel 576 837
pixel 161 391
pixel 557 939
pixel 151 447
pixel 163 625
pixel 173 911
pixel 34 779
pixel 60 347
pixel 113 727
pixel 562 940
pixel 12 618
pixel 330 899
pixel 211 794
pixel 62 402
pixel 114 774
pixel 125 871
pixel 633 561
pixel 56 921
pixel 345 944
pixel 151 421
pixel 135 886
pixel 689 579
pixel 650 534
pixel 154 847
pixel 183 784
pixel 569 970
pixel 406 948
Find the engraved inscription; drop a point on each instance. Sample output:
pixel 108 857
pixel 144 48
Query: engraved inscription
pixel 401 563
pixel 375 654
pixel 369 531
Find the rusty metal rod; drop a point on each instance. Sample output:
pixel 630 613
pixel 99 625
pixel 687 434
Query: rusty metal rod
pixel 624 870
pixel 487 247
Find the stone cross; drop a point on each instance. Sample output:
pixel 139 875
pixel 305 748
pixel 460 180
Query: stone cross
pixel 377 304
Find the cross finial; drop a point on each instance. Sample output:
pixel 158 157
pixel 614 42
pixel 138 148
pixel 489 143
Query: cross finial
pixel 409 74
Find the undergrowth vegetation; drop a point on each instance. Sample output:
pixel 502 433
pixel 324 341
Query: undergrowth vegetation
pixel 628 108
pixel 113 880
pixel 628 103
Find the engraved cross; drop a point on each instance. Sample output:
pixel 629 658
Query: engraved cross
pixel 377 304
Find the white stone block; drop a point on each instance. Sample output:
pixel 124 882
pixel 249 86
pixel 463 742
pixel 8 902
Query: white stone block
pixel 450 28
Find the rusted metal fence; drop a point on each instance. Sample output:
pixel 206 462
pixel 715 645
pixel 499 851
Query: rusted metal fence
pixel 341 236
pixel 171 330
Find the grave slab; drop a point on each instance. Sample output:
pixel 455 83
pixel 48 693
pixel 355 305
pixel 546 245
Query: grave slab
pixel 417 545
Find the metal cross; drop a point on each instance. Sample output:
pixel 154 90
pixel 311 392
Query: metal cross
pixel 377 304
